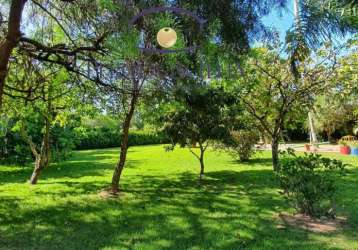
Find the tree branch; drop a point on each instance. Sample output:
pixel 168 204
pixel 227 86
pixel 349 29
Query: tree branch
pixel 54 18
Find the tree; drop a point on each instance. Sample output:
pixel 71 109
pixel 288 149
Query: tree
pixel 11 40
pixel 336 108
pixel 199 117
pixel 46 103
pixel 130 91
pixel 334 114
pixel 68 52
pixel 270 91
pixel 316 21
pixel 134 71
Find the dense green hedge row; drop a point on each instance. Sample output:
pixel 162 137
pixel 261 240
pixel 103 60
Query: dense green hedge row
pixel 13 149
pixel 95 139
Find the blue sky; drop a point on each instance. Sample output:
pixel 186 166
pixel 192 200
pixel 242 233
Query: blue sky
pixel 281 20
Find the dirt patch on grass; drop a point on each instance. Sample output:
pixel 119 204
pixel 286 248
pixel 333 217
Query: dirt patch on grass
pixel 107 194
pixel 324 225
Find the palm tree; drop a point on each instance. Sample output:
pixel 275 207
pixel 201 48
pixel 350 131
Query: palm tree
pixel 314 23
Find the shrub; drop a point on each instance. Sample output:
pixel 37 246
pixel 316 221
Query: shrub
pixel 146 138
pixel 309 182
pixel 17 151
pixel 100 138
pixel 242 144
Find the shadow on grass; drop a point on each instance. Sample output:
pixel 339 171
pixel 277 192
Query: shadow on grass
pixel 347 199
pixel 229 210
pixel 82 164
pixel 60 170
pixel 254 162
pixel 15 174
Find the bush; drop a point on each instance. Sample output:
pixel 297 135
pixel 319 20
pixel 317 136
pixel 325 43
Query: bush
pixel 242 144
pixel 309 182
pixel 100 138
pixel 13 150
pixel 17 151
pixel 146 138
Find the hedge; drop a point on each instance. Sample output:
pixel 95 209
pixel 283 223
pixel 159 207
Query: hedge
pixel 109 139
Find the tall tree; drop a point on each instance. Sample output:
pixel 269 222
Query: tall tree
pixel 136 71
pixel 75 47
pixel 336 109
pixel 316 21
pixel 11 40
pixel 314 24
pixel 270 91
pixel 130 91
pixel 40 94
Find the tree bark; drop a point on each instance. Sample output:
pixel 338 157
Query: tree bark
pixel 296 10
pixel 313 136
pixel 201 168
pixel 274 147
pixel 43 159
pixel 37 171
pixel 10 42
pixel 124 147
pixel 201 159
pixel 329 135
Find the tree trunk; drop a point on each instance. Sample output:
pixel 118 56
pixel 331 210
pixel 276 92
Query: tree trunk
pixel 42 162
pixel 201 160
pixel 37 171
pixel 313 136
pixel 10 42
pixel 296 10
pixel 42 159
pixel 46 152
pixel 329 135
pixel 275 158
pixel 201 167
pixel 124 147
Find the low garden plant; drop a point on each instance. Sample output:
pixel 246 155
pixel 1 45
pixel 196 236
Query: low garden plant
pixel 242 144
pixel 309 182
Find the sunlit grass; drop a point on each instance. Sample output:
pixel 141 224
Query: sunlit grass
pixel 163 206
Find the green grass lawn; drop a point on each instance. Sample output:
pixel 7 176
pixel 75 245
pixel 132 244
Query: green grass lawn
pixel 162 206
